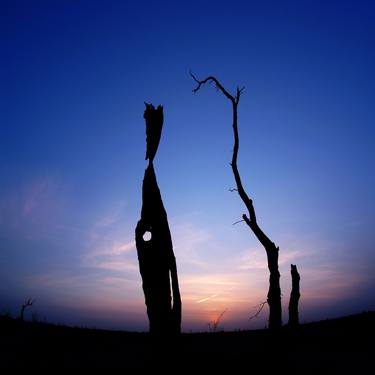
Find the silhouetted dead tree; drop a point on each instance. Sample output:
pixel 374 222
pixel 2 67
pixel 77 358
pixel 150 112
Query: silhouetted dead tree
pixel 274 292
pixel 156 258
pixel 24 306
pixel 294 297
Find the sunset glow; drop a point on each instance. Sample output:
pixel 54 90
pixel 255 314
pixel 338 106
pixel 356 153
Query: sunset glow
pixel 74 80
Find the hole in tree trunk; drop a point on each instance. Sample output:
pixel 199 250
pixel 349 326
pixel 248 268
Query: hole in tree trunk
pixel 147 236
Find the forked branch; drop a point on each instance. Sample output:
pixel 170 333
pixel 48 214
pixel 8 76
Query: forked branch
pixel 24 306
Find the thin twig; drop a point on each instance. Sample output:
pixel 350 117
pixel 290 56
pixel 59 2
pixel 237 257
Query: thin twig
pixel 261 305
pixel 239 221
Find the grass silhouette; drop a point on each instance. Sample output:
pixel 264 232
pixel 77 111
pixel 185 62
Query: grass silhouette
pixel 334 345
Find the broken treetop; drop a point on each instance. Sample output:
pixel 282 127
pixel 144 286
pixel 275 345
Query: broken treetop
pixel 154 124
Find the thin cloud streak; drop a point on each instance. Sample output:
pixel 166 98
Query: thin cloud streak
pixel 207 298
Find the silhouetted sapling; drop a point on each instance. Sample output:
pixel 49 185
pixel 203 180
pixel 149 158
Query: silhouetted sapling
pixel 157 263
pixel 274 292
pixel 24 306
pixel 214 324
pixel 294 297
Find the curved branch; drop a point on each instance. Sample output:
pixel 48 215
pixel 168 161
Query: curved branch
pixel 250 220
pixel 218 85
pixel 260 308
pixel 235 100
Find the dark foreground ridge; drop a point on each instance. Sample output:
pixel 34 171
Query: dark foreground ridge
pixel 334 345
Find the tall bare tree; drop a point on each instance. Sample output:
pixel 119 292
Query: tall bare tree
pixel 272 251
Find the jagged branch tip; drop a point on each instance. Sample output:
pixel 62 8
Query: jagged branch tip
pixel 211 79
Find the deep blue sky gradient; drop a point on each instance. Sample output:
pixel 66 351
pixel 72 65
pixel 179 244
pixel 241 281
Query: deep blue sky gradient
pixel 74 76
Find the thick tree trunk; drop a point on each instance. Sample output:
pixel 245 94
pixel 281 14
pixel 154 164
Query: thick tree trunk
pixel 157 263
pixel 294 297
pixel 274 291
pixel 272 251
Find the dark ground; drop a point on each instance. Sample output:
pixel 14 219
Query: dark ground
pixel 344 345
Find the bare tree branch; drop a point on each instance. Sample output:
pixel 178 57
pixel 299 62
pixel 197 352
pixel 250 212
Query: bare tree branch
pixel 240 189
pixel 260 308
pixel 217 85
pixel 239 221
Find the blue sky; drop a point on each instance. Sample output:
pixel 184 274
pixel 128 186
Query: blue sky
pixel 74 76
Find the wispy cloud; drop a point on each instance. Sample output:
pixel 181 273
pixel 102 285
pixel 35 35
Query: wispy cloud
pixel 107 247
pixel 256 258
pixel 116 265
pixel 40 197
pixel 34 208
pixel 329 283
pixel 90 292
pixel 189 242
pixel 207 298
pixel 112 216
pixel 112 256
pixel 251 259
